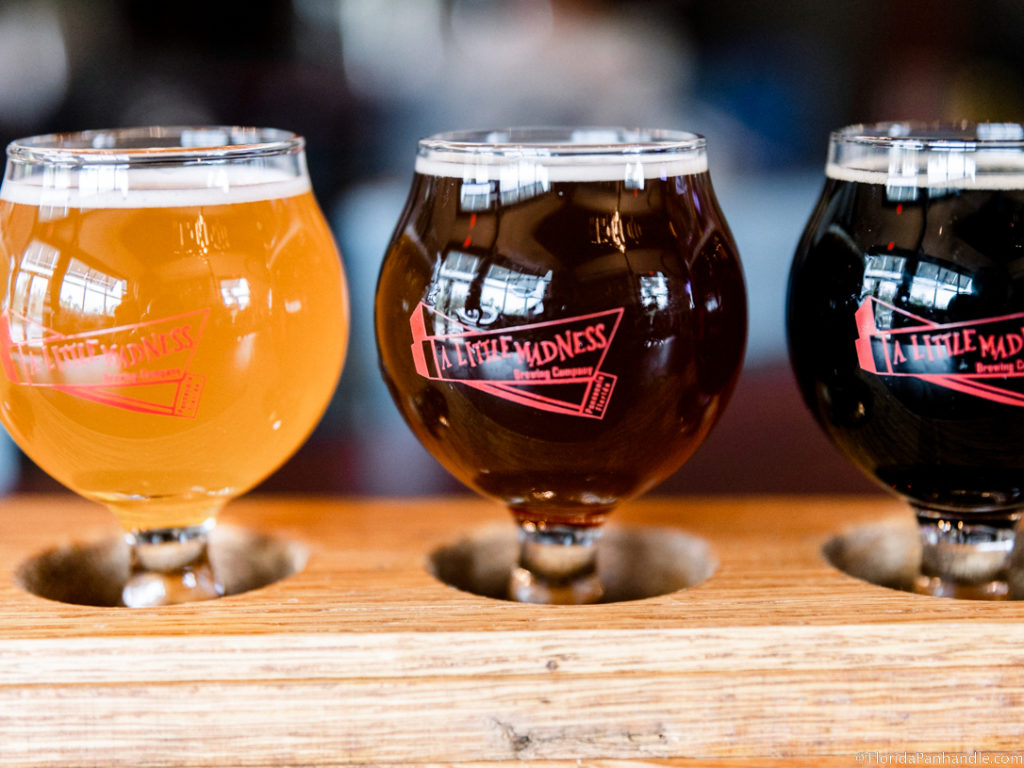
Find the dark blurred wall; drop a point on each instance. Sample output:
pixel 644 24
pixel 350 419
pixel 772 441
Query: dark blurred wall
pixel 363 79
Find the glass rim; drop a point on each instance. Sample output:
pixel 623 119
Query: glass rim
pixel 552 142
pixel 937 136
pixel 154 145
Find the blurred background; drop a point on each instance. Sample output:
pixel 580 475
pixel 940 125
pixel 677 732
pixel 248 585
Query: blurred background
pixel 364 79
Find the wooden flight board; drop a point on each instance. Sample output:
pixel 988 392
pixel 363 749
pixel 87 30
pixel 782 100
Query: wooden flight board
pixel 749 648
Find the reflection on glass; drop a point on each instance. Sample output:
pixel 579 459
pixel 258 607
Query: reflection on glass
pixel 915 281
pixel 522 181
pixel 481 297
pixel 90 291
pixel 654 292
pixel 32 282
pixel 235 293
pixel 935 286
pixel 476 195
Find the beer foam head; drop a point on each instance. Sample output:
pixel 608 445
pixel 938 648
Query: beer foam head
pixel 910 155
pixel 530 156
pixel 123 186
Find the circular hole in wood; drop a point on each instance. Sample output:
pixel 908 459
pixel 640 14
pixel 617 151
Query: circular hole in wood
pixel 94 573
pixel 633 563
pixel 886 553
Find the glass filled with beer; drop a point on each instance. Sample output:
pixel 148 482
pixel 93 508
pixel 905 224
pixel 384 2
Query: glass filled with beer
pixel 905 318
pixel 561 318
pixel 174 321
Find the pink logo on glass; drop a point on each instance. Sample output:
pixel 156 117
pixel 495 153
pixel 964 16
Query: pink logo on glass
pixel 141 367
pixel 982 357
pixel 553 366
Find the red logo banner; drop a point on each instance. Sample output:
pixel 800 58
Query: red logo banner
pixel 140 367
pixel 552 366
pixel 972 357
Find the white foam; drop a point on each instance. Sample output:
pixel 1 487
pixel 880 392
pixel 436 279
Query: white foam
pixel 955 171
pixel 113 186
pixel 530 169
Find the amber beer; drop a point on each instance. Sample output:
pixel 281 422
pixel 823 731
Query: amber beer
pixel 166 348
pixel 561 329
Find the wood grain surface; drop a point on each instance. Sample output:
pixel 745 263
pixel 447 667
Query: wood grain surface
pixel 363 657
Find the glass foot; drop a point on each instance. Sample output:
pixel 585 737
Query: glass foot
pixel 170 566
pixel 557 565
pixel 964 560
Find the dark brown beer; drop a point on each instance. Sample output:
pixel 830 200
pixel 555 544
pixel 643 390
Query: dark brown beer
pixel 565 340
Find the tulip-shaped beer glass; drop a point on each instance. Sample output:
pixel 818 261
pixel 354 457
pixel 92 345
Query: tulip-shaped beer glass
pixel 906 332
pixel 561 318
pixel 174 323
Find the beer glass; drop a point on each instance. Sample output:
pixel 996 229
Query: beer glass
pixel 906 332
pixel 173 324
pixel 561 318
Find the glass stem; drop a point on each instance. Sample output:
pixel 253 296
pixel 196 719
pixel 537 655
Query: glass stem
pixel 170 566
pixel 965 559
pixel 557 565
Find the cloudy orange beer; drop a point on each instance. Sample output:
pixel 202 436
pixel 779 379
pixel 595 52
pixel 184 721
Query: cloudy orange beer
pixel 170 333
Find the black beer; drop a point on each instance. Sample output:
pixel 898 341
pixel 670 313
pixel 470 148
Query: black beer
pixel 905 324
pixel 906 328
